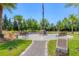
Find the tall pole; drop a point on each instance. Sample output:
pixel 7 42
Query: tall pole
pixel 43 15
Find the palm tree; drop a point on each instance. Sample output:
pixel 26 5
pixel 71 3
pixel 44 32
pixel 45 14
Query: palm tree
pixel 8 6
pixel 73 20
pixel 19 19
pixel 72 4
pixel 65 23
pixel 76 5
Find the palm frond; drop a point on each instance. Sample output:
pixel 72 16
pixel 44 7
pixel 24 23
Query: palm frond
pixel 8 6
pixel 72 5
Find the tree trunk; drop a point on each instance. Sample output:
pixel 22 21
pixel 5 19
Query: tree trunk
pixel 1 11
pixel 72 29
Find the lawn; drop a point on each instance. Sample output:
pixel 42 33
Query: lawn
pixel 74 45
pixel 52 47
pixel 14 48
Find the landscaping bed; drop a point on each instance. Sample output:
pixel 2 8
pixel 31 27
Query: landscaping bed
pixel 14 48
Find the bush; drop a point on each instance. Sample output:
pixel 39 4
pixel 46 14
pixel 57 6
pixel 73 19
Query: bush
pixel 63 33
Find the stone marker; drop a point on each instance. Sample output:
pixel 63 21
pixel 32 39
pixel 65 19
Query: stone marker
pixel 62 47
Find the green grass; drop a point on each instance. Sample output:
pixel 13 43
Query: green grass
pixel 52 47
pixel 73 45
pixel 13 48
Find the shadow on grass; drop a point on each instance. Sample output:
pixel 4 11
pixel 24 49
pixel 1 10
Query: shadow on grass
pixel 11 44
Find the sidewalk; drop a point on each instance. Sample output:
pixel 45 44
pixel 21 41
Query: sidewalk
pixel 36 49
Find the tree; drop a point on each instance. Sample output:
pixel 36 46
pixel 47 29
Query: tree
pixel 73 21
pixel 72 4
pixel 15 25
pixel 59 26
pixel 23 25
pixel 10 25
pixel 45 24
pixel 8 6
pixel 65 23
pixel 32 24
pixel 78 25
pixel 52 27
pixel 5 23
pixel 19 19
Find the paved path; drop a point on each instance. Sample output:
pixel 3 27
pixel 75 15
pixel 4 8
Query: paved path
pixel 36 49
pixel 39 37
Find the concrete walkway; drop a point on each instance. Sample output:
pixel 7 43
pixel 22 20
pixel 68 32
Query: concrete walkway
pixel 38 48
pixel 39 45
pixel 38 37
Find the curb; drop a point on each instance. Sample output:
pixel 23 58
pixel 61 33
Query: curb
pixel 46 48
pixel 26 49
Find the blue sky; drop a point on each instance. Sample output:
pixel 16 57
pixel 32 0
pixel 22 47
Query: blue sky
pixel 53 11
